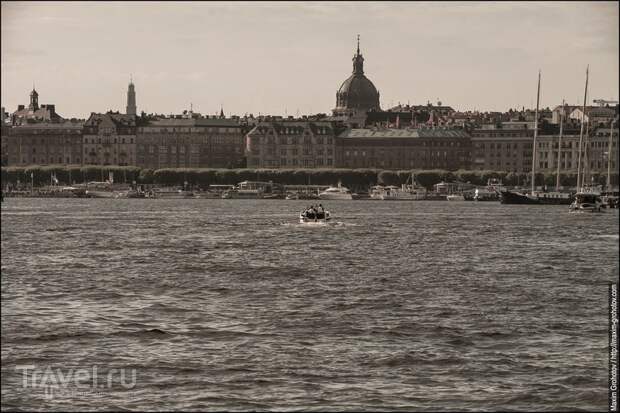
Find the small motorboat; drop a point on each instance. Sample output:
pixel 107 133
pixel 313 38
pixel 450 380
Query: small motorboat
pixel 586 202
pixel 310 218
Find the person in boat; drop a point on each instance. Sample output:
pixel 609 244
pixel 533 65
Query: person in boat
pixel 309 212
pixel 320 211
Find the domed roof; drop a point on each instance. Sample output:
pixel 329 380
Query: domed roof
pixel 357 92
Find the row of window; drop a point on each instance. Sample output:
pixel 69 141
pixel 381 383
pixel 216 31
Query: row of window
pixel 51 160
pixel 291 140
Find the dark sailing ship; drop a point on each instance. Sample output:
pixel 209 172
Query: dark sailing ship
pixel 537 197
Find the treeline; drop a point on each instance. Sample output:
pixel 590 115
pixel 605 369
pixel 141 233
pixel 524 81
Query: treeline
pixel 356 179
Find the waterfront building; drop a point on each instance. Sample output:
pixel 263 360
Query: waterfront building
pixel 34 112
pixel 291 144
pixel 357 94
pixel 109 139
pixel 599 115
pixel 182 142
pixel 42 144
pixel 420 148
pixel 596 148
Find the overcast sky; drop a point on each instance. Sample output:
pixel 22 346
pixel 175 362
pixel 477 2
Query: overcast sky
pixel 293 57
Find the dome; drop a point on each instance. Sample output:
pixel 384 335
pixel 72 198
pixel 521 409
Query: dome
pixel 357 92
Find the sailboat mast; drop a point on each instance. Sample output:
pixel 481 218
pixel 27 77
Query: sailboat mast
pixel 586 161
pixel 557 178
pixel 611 138
pixel 583 119
pixel 535 136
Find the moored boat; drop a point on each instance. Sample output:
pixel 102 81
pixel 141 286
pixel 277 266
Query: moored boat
pixel 336 193
pixel 455 197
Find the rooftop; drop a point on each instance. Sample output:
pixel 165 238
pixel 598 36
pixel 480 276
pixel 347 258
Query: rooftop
pixel 405 133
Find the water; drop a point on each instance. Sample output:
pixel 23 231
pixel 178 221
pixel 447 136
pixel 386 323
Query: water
pixel 230 304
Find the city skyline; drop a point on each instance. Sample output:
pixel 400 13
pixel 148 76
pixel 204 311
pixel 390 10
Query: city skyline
pixel 291 58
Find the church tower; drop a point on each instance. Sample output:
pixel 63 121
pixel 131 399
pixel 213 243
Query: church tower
pixel 34 100
pixel 131 99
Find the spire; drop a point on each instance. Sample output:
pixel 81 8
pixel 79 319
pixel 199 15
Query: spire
pixel 221 112
pixel 358 60
pixel 131 98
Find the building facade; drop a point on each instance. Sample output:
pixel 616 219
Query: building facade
pixel 421 148
pixel 109 139
pixel 594 156
pixel 190 143
pixel 42 144
pixel 291 144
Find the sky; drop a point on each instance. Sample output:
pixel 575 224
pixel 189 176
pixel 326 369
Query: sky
pixel 290 58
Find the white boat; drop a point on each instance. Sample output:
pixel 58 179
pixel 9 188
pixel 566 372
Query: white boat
pixel 336 193
pixel 586 202
pixel 310 219
pixel 254 190
pixel 490 192
pixel 455 197
pixel 406 192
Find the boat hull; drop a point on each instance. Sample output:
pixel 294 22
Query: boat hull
pixel 335 197
pixel 515 198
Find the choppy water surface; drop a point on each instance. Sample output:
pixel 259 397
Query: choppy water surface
pixel 230 304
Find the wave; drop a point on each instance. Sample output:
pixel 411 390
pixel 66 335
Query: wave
pixel 153 332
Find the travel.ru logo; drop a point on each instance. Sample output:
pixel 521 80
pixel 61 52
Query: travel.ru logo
pixel 59 381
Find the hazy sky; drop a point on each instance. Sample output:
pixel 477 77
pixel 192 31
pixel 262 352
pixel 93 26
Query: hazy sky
pixel 272 57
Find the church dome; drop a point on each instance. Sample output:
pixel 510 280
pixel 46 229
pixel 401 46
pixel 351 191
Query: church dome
pixel 357 92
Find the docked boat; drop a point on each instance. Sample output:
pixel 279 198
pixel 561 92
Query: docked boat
pixel 131 193
pixel 336 193
pixel 586 202
pixel 536 198
pixel 410 191
pixel 490 192
pixel 318 218
pixel 455 197
pixel 254 190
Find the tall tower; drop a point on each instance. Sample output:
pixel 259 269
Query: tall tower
pixel 131 99
pixel 34 100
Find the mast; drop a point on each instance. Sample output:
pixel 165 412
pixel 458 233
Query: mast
pixel 535 136
pixel 586 161
pixel 557 179
pixel 583 119
pixel 611 138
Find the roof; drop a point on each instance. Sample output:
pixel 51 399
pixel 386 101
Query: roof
pixel 296 127
pixel 111 120
pixel 174 122
pixel 404 133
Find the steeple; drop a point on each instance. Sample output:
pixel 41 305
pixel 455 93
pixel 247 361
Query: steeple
pixel 222 112
pixel 358 60
pixel 131 98
pixel 34 99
